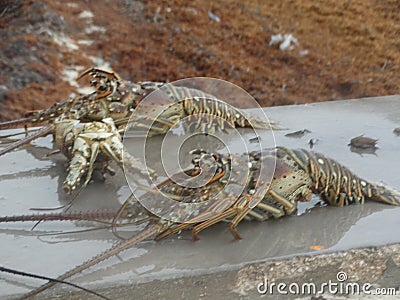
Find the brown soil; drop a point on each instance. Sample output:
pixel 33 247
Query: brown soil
pixel 353 47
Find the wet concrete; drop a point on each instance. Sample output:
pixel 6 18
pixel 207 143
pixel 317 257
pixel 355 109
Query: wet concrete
pixel 374 268
pixel 28 179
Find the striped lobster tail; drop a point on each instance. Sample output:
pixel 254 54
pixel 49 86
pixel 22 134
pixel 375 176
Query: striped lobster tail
pixel 336 184
pixel 179 93
pixel 212 110
pixel 197 102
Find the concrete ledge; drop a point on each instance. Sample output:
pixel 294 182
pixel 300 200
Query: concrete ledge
pixel 372 268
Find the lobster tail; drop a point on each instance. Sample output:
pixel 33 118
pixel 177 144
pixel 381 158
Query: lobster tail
pixel 336 184
pixel 385 195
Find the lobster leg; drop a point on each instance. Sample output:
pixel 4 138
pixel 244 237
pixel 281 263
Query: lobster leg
pixel 269 209
pixel 242 212
pixel 224 215
pixel 94 153
pixel 139 218
pixel 232 211
pixel 289 207
pixel 208 215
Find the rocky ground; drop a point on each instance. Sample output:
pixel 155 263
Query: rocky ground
pixel 346 49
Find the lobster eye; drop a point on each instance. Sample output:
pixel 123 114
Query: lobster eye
pixel 102 88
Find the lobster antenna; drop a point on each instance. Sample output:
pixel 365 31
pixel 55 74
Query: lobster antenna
pixel 41 132
pixel 14 123
pixel 25 274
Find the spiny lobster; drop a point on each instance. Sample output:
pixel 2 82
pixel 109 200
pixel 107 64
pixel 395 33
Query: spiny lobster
pixel 298 174
pixel 109 100
pixel 117 99
pixel 112 103
pixel 92 146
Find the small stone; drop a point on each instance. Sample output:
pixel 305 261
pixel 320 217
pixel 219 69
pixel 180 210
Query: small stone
pixel 363 142
pixel 3 92
pixel 298 134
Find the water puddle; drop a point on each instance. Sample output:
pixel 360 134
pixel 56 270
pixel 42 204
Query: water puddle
pixel 29 179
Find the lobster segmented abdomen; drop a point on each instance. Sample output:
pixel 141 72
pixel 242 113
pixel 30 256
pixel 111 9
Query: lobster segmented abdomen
pixel 223 112
pixel 336 184
pixel 197 102
pixel 179 93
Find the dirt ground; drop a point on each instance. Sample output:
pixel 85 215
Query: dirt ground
pixel 346 49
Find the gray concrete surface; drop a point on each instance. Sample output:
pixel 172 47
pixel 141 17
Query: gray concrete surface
pixel 28 179
pixel 377 270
